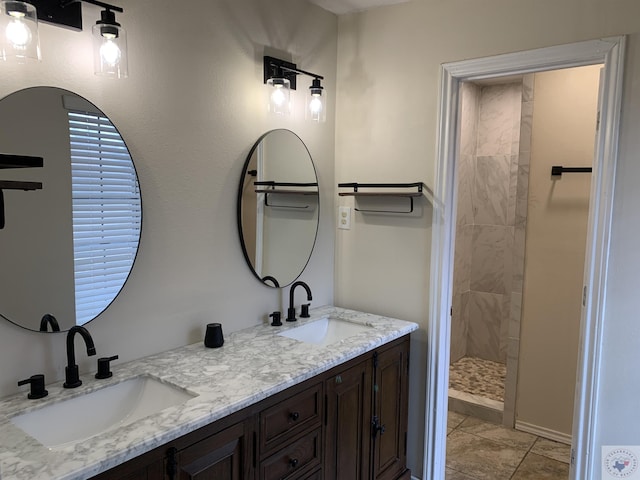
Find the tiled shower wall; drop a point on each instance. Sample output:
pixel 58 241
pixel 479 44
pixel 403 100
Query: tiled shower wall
pixel 492 176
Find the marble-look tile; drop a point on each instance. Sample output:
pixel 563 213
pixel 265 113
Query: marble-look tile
pixel 515 312
pixel 491 190
pixel 454 420
pixel 485 312
pixel 469 104
pixel 504 326
pixel 519 238
pixel 481 458
pixel 512 196
pixel 465 181
pixel 498 433
pixel 509 240
pixel 495 120
pixel 556 450
pixel 511 383
pixel 453 475
pixel 459 322
pixel 462 259
pixel 528 87
pixel 522 194
pixel 509 409
pixel 537 467
pixel 516 102
pixel 487 263
pixel 526 122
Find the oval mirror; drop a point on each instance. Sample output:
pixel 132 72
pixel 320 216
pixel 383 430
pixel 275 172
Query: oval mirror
pixel 67 247
pixel 278 207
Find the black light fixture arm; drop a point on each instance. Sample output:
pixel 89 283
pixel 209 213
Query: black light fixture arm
pixel 276 68
pixel 298 71
pixel 108 6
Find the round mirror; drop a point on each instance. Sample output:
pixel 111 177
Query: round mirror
pixel 67 246
pixel 278 207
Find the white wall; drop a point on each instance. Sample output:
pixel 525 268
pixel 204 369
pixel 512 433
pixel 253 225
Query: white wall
pixel 388 73
pixel 190 112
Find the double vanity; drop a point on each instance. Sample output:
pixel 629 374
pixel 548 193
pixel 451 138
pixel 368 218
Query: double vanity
pixel 323 397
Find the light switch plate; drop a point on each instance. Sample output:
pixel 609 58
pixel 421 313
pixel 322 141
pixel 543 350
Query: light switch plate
pixel 344 218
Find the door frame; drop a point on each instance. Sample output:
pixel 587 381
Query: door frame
pixel 609 52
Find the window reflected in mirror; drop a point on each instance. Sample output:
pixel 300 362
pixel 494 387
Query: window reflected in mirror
pixel 73 243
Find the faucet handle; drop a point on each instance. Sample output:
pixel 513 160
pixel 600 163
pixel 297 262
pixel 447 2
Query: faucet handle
pixel 104 367
pixel 37 386
pixel 276 319
pixel 304 310
pixel 291 314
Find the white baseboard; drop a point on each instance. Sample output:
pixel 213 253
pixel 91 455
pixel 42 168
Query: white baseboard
pixel 543 432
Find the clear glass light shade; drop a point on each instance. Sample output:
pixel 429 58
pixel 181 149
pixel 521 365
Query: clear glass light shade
pixel 316 105
pixel 110 51
pixel 279 96
pixel 18 32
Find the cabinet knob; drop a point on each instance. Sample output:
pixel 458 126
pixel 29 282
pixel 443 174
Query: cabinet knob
pixel 294 416
pixel 293 462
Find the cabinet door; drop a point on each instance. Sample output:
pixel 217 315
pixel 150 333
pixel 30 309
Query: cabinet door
pixel 348 440
pixel 223 456
pixel 390 403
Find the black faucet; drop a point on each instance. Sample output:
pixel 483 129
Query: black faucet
pixel 47 320
pixel 291 312
pixel 72 377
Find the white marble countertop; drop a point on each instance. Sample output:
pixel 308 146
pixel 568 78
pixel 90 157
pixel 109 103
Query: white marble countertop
pixel 253 364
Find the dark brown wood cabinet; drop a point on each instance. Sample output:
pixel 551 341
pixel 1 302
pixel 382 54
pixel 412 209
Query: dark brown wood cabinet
pixel 348 423
pixel 223 456
pixel 347 439
pixel 390 412
pixel 367 408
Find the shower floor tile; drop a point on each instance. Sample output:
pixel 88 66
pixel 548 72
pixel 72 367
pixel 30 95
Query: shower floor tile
pixel 478 377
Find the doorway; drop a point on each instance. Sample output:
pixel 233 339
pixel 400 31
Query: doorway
pixel 610 53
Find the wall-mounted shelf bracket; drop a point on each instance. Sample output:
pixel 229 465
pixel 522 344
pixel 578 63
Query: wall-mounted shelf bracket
pixel 397 190
pixel 286 188
pixel 17 161
pixel 20 161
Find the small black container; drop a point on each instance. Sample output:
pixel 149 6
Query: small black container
pixel 213 338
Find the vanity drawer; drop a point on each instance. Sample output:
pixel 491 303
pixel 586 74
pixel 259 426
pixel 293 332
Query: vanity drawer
pixel 294 460
pixel 300 412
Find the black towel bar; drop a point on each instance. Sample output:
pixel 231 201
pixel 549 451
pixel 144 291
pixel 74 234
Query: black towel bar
pixel 558 170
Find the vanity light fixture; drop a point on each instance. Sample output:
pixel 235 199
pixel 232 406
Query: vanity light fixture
pixel 110 39
pixel 280 76
pixel 19 39
pixel 110 45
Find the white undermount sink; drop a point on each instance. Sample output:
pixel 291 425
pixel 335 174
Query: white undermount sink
pixel 325 331
pixel 69 421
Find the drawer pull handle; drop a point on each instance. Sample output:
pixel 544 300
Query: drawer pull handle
pixel 293 462
pixel 294 416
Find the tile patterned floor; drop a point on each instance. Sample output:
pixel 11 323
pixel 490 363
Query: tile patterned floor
pixel 478 377
pixel 477 450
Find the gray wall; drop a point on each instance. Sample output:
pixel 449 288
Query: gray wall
pixel 388 74
pixel 190 111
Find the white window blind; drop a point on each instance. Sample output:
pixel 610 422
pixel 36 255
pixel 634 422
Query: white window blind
pixel 107 212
